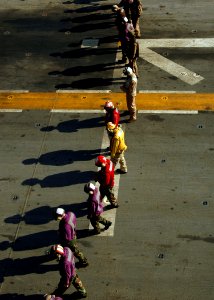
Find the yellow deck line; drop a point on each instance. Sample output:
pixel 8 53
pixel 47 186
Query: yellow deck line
pixel 153 101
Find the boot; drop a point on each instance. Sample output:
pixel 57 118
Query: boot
pixel 108 224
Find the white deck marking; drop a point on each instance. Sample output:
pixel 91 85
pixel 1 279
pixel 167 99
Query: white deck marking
pixel 85 111
pixel 14 91
pixel 166 64
pixel 176 112
pixel 177 43
pixel 10 110
pixel 110 214
pixel 165 92
pixel 170 67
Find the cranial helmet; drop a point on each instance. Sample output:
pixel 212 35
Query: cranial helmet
pixel 100 161
pixel 111 126
pixel 115 8
pixel 59 213
pixel 58 249
pixel 127 71
pixel 89 187
pixel 108 105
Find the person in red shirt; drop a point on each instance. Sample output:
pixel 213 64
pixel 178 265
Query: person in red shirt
pixel 105 177
pixel 112 113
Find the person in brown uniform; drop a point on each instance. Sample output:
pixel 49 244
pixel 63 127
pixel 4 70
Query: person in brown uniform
pixel 133 52
pixel 133 10
pixel 130 88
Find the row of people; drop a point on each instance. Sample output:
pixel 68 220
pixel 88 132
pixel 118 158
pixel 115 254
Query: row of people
pixel 128 13
pixel 67 249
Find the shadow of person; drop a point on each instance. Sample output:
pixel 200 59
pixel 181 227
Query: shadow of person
pixel 21 297
pixel 63 157
pixel 44 214
pixel 55 158
pixel 35 240
pixel 61 179
pixel 77 71
pixel 81 52
pixel 75 124
pixel 90 83
pixel 28 265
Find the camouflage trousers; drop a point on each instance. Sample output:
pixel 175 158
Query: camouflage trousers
pixel 95 220
pixel 109 193
pixel 77 253
pixel 75 281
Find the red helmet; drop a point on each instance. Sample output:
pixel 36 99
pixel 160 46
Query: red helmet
pixel 58 249
pixel 108 105
pixel 100 161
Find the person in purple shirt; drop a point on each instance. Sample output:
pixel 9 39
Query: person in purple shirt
pixel 67 234
pixel 95 208
pixel 67 272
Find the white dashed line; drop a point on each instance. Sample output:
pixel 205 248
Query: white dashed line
pixel 10 110
pixel 176 112
pixel 165 92
pixel 85 111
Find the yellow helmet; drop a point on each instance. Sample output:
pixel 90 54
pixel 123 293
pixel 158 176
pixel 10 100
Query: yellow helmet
pixel 111 126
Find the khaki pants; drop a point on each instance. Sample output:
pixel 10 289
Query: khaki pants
pixel 133 65
pixel 136 24
pixel 120 158
pixel 130 100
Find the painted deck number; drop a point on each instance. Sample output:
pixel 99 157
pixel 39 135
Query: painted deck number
pixel 169 66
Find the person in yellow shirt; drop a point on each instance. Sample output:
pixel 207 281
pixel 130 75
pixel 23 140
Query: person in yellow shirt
pixel 117 147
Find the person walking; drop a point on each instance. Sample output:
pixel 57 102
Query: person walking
pixel 118 147
pixel 133 10
pixel 130 88
pixel 112 115
pixel 95 208
pixel 105 177
pixel 68 273
pixel 133 52
pixel 121 23
pixel 67 234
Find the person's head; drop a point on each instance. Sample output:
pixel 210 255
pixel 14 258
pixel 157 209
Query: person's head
pixel 56 251
pixel 127 71
pixel 51 297
pixel 111 127
pixel 109 105
pixel 89 188
pixel 115 8
pixel 100 161
pixel 60 212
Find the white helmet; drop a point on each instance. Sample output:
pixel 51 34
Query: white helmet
pixel 127 71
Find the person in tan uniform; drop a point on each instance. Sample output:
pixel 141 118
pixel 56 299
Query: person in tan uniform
pixel 117 147
pixel 133 10
pixel 130 88
pixel 133 52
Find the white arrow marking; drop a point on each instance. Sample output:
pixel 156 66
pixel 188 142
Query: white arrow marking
pixel 166 64
pixel 177 43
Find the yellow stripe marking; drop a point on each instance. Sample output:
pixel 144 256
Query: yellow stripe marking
pixel 85 101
